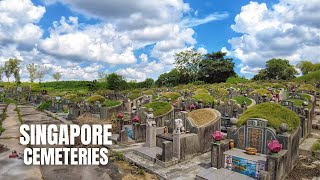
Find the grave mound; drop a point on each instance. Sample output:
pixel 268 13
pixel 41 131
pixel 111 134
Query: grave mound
pixel 202 117
pixel 274 113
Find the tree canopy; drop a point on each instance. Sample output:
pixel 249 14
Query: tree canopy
pixel 215 68
pixel 307 67
pixel 277 69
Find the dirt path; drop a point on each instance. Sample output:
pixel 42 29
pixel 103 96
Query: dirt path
pixel 14 168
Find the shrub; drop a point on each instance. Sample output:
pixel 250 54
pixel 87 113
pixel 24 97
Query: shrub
pixel 94 98
pixel 275 114
pixel 44 106
pixel 159 107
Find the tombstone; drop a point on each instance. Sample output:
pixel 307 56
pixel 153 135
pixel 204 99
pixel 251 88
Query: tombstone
pixel 103 112
pixel 167 151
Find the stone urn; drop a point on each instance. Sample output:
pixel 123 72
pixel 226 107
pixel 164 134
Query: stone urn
pixel 217 136
pixel 275 146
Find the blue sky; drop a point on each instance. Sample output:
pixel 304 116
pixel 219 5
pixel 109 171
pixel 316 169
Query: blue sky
pixel 138 39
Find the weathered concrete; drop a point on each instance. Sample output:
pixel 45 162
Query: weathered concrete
pixel 182 171
pixel 14 168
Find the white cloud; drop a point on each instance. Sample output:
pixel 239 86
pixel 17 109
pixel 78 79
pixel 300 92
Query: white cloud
pixel 289 29
pixel 85 49
pixel 18 18
pixel 97 43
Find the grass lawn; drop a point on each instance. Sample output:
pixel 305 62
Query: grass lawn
pixel 274 113
pixel 261 92
pixel 240 99
pixel 316 146
pixel 111 103
pixel 159 107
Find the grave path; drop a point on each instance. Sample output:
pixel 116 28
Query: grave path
pixel 15 168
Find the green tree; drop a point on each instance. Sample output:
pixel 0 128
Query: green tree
pixel 12 67
pixel 215 68
pixel 276 69
pixel 32 69
pixel 170 79
pixel 148 83
pixel 308 66
pixel 41 72
pixel 56 76
pixel 187 63
pixel 116 82
pixel 1 72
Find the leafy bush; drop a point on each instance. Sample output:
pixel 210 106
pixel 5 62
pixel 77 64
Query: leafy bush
pixel 44 106
pixel 111 103
pixel 94 98
pixel 198 83
pixel 172 95
pixel 159 107
pixel 240 99
pixel 117 156
pixel 201 91
pixel 274 113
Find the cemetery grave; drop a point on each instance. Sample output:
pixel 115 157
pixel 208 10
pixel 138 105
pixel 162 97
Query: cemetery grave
pixel 172 126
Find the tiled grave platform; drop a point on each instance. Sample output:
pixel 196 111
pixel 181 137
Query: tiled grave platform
pixel 220 174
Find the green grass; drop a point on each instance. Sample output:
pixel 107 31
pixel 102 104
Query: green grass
pixel 274 113
pixel 172 95
pixel 316 146
pixel 206 98
pixel 19 114
pixel 4 115
pixel 310 77
pixel 308 97
pixel 94 98
pixel 240 99
pixel 159 107
pixel 306 87
pixel 262 92
pixel 111 103
pixel 44 106
pixel 298 103
pixel 134 94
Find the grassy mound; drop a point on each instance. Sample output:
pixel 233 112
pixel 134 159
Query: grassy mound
pixel 111 103
pixel 306 87
pixel 261 92
pixel 172 95
pixel 310 77
pixel 240 99
pixel 316 146
pixel 307 96
pixel 94 98
pixel 202 116
pixel 159 107
pixel 298 103
pixel 274 113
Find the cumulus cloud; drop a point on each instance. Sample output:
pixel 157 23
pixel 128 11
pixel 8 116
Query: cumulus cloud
pixel 18 20
pixel 289 29
pixel 123 28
